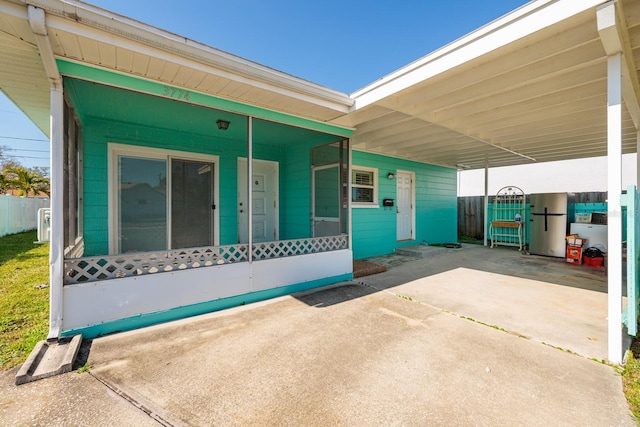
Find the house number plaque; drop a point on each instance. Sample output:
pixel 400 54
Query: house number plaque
pixel 174 92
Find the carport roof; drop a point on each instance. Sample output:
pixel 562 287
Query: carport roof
pixel 528 87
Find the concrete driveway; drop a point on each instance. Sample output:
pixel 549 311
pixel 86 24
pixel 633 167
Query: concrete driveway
pixel 370 353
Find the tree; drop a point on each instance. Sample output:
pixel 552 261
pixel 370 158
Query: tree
pixel 14 176
pixel 27 181
pixel 4 184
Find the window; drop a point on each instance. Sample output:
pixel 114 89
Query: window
pixel 364 186
pixel 72 175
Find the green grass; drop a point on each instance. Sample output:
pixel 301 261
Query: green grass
pixel 24 302
pixel 631 379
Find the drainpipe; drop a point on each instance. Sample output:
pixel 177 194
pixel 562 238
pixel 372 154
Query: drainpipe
pixel 56 139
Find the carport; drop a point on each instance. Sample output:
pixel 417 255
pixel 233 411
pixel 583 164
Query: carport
pixel 553 80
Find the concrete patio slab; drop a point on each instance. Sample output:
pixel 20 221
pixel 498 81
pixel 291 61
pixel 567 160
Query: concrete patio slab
pixel 349 354
pixel 541 298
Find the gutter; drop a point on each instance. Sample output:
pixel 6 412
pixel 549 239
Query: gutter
pixel 38 26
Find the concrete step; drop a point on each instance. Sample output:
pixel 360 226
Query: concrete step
pixel 49 358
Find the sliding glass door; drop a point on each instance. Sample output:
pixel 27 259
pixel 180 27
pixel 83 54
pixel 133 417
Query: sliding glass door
pixel 142 203
pixel 163 202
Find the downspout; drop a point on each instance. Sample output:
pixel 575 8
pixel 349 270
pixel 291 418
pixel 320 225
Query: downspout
pixel 56 140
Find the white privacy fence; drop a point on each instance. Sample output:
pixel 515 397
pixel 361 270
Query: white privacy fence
pixel 19 214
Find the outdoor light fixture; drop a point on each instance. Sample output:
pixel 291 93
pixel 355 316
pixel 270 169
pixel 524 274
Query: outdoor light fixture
pixel 222 124
pixel 391 175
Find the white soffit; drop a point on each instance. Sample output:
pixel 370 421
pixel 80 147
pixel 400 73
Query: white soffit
pixel 528 87
pixel 22 74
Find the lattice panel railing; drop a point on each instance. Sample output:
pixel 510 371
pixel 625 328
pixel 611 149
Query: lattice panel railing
pixel 285 248
pixel 91 269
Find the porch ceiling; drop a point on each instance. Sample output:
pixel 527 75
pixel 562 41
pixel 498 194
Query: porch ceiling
pixel 539 96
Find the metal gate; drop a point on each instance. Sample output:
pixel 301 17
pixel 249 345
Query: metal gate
pixel 630 313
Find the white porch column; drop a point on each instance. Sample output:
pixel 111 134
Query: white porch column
pixel 614 212
pixel 37 23
pixel 250 189
pixel 56 247
pixel 486 202
pixel 349 197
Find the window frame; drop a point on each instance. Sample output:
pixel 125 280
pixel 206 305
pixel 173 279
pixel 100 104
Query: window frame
pixel 374 187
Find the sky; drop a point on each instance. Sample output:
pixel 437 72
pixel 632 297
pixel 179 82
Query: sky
pixel 340 44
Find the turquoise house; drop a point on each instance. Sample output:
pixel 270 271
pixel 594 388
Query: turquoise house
pixel 186 179
pixel 204 181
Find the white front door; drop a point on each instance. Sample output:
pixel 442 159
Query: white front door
pixel 404 206
pixel 265 195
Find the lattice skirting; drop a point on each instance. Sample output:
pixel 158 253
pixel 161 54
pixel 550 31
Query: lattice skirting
pixel 91 269
pixel 284 248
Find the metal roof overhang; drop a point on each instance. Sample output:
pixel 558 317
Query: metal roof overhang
pixel 528 87
pixel 93 36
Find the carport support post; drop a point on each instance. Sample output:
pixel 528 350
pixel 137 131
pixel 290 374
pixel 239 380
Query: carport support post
pixel 486 201
pixel 614 210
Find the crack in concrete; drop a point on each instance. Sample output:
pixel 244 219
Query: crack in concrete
pixel 154 415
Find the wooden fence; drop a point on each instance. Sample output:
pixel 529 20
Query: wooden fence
pixel 471 211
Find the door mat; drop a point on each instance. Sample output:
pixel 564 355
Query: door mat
pixel 364 268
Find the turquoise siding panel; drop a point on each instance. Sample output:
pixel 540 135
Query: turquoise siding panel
pixel 374 229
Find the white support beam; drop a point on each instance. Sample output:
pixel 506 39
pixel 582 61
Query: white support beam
pixel 56 245
pixel 614 211
pixel 615 39
pixel 37 23
pixel 486 202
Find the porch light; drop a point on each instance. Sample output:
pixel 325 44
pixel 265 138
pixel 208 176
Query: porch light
pixel 391 175
pixel 223 124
